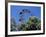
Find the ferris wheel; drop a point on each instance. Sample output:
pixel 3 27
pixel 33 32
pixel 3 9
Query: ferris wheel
pixel 22 13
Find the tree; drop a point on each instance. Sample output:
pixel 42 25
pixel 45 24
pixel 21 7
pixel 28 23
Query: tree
pixel 34 23
pixel 13 24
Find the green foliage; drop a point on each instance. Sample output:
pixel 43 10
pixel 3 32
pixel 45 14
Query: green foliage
pixel 13 24
pixel 33 23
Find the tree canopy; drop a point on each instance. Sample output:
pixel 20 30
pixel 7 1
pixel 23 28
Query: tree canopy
pixel 33 23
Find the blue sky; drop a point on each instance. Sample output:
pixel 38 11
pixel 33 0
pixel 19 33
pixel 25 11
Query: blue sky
pixel 35 11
